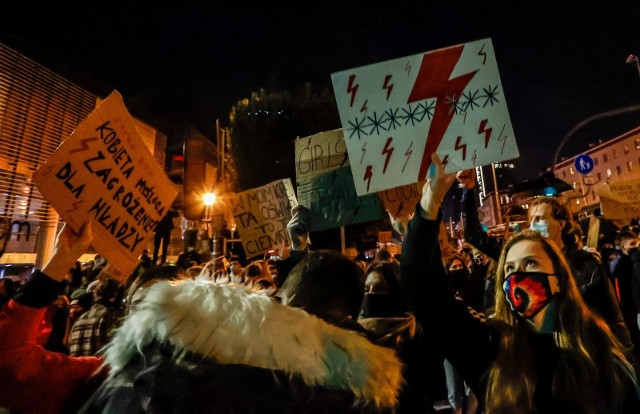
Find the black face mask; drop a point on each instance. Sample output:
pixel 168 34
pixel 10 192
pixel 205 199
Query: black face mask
pixel 458 278
pixel 380 306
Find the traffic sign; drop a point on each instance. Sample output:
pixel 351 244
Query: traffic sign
pixel 583 164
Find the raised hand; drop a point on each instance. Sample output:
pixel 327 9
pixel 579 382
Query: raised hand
pixel 467 178
pixel 399 224
pixel 298 227
pixel 435 189
pixel 69 247
pixel 282 250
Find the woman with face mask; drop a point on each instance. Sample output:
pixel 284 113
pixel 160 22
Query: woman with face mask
pixel 553 221
pixel 543 351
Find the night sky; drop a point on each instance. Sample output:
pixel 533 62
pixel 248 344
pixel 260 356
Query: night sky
pixel 187 63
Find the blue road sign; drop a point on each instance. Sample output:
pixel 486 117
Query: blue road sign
pixel 584 164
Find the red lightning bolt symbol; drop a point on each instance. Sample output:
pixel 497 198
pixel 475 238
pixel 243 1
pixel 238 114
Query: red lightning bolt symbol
pixel 387 86
pixel 445 161
pixel 368 174
pixel 387 151
pixel 352 89
pixel 433 81
pixel 364 107
pixel 83 145
pixel 76 205
pixel 486 131
pixel 463 147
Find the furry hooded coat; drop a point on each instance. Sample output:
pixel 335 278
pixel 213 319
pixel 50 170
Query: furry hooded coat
pixel 199 347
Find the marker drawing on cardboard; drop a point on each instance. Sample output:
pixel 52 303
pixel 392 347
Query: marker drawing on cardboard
pixel 395 114
pixel 104 172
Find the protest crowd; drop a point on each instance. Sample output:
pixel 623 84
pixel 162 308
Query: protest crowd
pixel 527 322
pixel 530 321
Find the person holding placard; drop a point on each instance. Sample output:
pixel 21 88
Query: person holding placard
pixel 553 220
pixel 544 350
pixel 36 380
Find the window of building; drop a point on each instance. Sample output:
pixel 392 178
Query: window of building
pixel 637 143
pixel 605 158
pixel 564 173
pixel 595 161
pixel 608 172
pixel 615 153
pixel 574 185
pixel 619 168
pixel 599 176
pixel 630 165
pixel 626 149
pixel 571 170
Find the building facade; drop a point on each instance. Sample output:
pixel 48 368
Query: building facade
pixel 615 160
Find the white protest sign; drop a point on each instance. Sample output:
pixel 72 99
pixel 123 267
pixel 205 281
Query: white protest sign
pixel 395 114
pixel 105 173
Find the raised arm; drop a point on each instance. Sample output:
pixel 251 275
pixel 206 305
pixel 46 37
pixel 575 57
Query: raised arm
pixel 462 338
pixel 473 232
pixel 37 380
pixel 298 229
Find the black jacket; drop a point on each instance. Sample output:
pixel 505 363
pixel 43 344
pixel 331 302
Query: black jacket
pixel 468 342
pixel 589 271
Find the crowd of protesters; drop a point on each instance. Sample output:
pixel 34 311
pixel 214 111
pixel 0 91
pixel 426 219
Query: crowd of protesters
pixel 525 322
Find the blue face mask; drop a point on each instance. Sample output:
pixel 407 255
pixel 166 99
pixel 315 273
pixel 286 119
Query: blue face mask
pixel 541 227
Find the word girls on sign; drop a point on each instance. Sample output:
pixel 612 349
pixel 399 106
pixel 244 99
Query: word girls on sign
pixel 104 172
pixel 395 114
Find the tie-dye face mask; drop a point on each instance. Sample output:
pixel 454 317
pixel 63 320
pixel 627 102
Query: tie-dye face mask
pixel 529 292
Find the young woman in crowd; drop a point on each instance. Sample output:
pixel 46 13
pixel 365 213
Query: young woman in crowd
pixel 543 351
pixel 553 220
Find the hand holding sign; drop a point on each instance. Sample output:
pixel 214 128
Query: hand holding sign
pixel 298 227
pixel 68 248
pixel 104 172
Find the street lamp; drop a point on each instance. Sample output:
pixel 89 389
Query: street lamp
pixel 632 59
pixel 209 200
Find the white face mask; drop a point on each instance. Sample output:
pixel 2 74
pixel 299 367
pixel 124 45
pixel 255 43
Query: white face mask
pixel 541 227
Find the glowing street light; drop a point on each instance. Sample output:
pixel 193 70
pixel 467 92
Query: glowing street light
pixel 209 199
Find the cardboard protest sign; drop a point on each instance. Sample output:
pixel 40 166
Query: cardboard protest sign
pixel 104 172
pixel 261 216
pixel 402 200
pixel 325 183
pixel 621 200
pixel 384 236
pixel 395 114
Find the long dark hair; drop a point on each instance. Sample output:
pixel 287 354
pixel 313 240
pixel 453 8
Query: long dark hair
pixel 586 377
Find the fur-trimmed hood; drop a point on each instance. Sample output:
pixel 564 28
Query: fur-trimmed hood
pixel 230 325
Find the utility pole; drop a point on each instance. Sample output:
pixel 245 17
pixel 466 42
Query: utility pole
pixel 495 188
